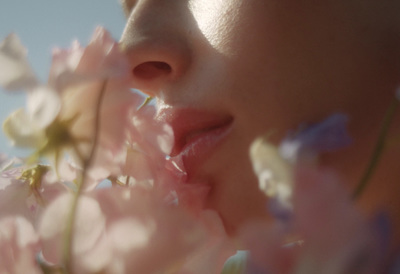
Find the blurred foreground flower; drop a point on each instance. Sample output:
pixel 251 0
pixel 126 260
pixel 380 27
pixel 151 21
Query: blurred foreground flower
pixel 121 230
pixel 146 222
pixel 55 218
pixel 62 114
pixel 26 193
pixel 318 228
pixel 15 73
pixel 19 245
pixel 326 233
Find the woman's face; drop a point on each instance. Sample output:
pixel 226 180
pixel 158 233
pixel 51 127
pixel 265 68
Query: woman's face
pixel 227 71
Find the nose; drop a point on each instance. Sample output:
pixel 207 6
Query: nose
pixel 156 42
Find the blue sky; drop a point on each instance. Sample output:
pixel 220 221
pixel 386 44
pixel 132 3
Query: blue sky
pixel 45 24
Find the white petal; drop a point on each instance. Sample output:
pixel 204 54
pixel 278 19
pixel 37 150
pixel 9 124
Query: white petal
pixel 15 71
pixel 43 105
pixel 165 140
pixel 273 172
pixel 130 234
pixel 22 131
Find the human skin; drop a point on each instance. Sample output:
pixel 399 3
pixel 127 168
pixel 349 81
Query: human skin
pixel 271 65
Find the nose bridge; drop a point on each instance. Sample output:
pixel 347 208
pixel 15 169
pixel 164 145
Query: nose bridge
pixel 152 15
pixel 156 42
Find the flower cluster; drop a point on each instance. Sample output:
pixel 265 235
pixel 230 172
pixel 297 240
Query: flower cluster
pixel 99 195
pixel 318 228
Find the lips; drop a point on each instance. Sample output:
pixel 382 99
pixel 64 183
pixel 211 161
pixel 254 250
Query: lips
pixel 197 134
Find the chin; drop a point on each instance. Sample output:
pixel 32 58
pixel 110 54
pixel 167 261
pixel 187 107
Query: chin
pixel 235 194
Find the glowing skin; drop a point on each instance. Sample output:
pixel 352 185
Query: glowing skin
pixel 270 65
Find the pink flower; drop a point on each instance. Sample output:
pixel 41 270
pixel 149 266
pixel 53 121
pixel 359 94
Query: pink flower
pixel 150 141
pixel 62 114
pixel 156 225
pixel 121 230
pixel 14 195
pixel 18 246
pixel 90 224
pixel 334 236
pixel 27 192
pixel 79 75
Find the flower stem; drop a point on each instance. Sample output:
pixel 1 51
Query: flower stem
pixel 146 102
pixel 377 153
pixel 86 162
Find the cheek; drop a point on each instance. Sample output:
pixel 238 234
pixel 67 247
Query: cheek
pixel 218 21
pixel 288 61
pixel 291 61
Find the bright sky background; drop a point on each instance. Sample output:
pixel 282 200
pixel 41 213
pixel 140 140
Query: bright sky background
pixel 44 24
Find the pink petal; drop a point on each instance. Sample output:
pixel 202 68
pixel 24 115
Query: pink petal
pixel 88 229
pixel 18 246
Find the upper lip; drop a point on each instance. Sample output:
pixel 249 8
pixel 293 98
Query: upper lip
pixel 187 123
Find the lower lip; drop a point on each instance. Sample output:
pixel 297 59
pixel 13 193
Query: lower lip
pixel 201 147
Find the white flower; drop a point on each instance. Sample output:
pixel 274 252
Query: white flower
pixel 275 174
pixel 85 85
pixel 15 72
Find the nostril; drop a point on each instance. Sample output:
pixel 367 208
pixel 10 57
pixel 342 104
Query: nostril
pixel 151 70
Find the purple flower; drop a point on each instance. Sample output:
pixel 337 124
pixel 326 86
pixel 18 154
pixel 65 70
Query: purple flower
pixel 326 136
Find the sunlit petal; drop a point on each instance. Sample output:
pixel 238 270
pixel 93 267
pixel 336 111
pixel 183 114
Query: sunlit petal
pixel 43 105
pixel 22 130
pixel 15 71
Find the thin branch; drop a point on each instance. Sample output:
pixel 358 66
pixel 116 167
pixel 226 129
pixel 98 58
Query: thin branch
pixel 379 148
pixel 68 241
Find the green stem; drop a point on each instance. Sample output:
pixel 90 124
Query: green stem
pixel 379 147
pixel 146 102
pixel 68 241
